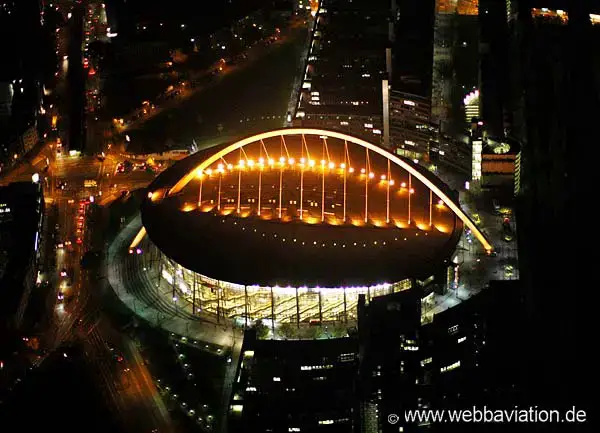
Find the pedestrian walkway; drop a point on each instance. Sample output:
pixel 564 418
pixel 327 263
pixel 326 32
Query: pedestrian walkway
pixel 222 335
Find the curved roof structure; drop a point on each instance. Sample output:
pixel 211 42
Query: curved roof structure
pixel 303 207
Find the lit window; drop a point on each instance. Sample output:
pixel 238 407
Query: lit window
pixel 450 367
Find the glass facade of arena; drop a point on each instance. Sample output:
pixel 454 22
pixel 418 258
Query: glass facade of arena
pixel 225 301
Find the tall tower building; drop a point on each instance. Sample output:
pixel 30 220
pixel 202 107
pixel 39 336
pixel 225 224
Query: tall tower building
pixel 555 109
pixel 455 60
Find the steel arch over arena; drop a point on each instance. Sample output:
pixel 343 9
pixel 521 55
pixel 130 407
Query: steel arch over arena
pixel 347 138
pixel 294 224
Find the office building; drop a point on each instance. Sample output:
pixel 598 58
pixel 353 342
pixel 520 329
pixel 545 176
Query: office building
pixel 21 217
pixel 294 386
pixel 342 85
pixel 463 357
pixel 455 61
pixel 390 377
pixel 555 108
pixel 412 48
pixel 23 69
pixel 500 165
pixel 411 130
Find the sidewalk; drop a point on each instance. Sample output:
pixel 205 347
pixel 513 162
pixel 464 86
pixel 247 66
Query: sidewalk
pixel 221 335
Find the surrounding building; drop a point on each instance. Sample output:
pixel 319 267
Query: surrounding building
pixel 21 76
pixel 294 386
pixel 455 61
pixel 347 61
pixel 500 165
pixel 555 108
pixel 390 376
pixel 21 217
pixel 464 357
pixel 411 130
pixel 412 48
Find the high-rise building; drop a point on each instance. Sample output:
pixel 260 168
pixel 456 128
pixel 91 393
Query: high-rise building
pixel 455 61
pixel 555 107
pixel 463 357
pixel 390 376
pixel 294 386
pixel 342 85
pixel 411 129
pixel 21 215
pixel 413 47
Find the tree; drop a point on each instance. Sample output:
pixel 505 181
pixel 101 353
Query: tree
pixel 338 330
pixel 261 329
pixel 313 332
pixel 287 330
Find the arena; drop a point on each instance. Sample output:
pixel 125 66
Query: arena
pixel 292 225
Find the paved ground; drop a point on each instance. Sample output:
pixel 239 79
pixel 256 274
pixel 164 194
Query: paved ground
pixel 129 286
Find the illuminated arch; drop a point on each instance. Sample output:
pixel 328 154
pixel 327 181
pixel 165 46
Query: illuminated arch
pixel 339 135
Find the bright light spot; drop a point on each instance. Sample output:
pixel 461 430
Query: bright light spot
pixel 371 175
pixel 322 162
pixel 250 163
pixel 242 163
pixel 199 173
pixel 35 178
pixel 271 161
pixel 282 160
pixel 412 191
pixel 331 165
pixel 230 166
pixel 311 163
pixel 403 185
pixel 209 171
pixel 383 177
pixel 91 199
pixel 302 160
pixel 127 138
pixel 342 165
pixel 351 169
pixel 291 161
pixel 392 182
pixel 363 171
